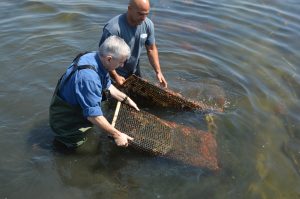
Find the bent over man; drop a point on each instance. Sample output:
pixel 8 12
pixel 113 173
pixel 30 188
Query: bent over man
pixel 76 103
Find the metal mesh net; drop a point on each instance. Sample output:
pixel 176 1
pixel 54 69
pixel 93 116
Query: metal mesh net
pixel 145 92
pixel 164 138
pixel 159 137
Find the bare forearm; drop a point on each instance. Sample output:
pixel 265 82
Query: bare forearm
pixel 102 123
pixel 152 53
pixel 116 93
pixel 122 97
pixel 113 74
pixel 120 138
pixel 118 79
pixel 154 61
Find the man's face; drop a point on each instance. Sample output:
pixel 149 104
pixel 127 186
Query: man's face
pixel 138 14
pixel 113 63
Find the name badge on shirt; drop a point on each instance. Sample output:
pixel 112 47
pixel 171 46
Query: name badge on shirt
pixel 144 36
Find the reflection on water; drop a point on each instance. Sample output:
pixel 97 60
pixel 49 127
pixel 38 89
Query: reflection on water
pixel 244 54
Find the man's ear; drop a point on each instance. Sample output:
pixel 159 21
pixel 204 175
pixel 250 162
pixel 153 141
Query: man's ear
pixel 109 58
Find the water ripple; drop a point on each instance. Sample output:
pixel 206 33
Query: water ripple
pixel 245 53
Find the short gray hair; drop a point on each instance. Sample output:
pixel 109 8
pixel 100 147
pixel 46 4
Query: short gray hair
pixel 115 47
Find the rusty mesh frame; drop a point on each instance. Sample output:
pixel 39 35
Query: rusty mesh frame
pixel 142 91
pixel 159 137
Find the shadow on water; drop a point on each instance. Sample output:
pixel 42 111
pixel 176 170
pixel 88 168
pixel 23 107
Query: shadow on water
pixel 100 168
pixel 292 146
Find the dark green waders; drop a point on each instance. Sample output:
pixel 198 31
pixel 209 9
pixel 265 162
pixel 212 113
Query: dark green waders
pixel 67 122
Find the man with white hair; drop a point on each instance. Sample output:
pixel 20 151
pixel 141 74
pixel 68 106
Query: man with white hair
pixel 76 103
pixel 138 31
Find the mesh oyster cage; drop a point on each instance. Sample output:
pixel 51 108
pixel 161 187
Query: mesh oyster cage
pixel 142 91
pixel 168 139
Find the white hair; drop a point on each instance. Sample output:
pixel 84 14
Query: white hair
pixel 115 47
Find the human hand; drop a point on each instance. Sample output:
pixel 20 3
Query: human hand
pixel 132 103
pixel 119 79
pixel 122 139
pixel 162 80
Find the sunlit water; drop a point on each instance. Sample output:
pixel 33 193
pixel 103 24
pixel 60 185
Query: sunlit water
pixel 246 52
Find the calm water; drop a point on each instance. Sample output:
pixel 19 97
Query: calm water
pixel 245 52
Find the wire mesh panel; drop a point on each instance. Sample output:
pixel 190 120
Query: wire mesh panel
pixel 159 137
pixel 143 91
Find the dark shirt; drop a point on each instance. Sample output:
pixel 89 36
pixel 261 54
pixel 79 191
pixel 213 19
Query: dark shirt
pixel 135 36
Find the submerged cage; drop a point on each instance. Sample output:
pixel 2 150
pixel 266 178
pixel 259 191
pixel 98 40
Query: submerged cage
pixel 168 139
pixel 143 91
pixel 160 137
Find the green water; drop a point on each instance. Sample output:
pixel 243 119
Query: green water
pixel 244 52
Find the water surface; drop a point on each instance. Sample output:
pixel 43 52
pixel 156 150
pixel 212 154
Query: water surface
pixel 244 52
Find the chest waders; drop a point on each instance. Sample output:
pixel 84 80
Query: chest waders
pixel 66 120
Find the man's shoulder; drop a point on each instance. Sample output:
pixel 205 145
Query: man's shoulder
pixel 88 59
pixel 148 23
pixel 148 20
pixel 87 75
pixel 113 25
pixel 116 19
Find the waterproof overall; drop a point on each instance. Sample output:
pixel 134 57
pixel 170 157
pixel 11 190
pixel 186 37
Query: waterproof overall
pixel 67 120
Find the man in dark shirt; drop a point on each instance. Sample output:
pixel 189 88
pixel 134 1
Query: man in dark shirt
pixel 138 31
